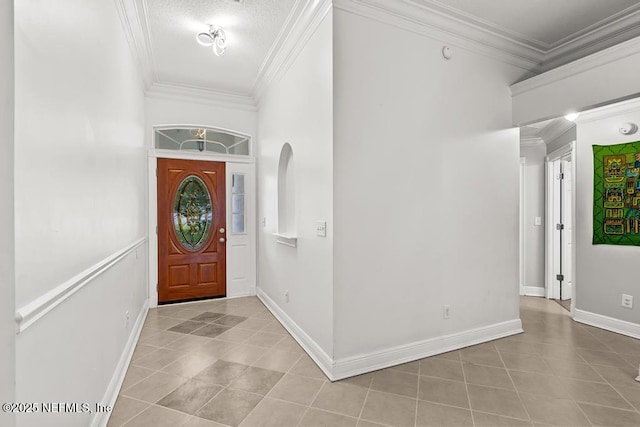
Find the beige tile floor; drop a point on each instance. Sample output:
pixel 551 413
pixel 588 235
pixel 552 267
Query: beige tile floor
pixel 230 363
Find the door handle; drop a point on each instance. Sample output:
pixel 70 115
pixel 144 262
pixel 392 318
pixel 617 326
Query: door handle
pixel 221 230
pixel 222 240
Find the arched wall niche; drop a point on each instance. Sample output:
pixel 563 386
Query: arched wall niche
pixel 286 192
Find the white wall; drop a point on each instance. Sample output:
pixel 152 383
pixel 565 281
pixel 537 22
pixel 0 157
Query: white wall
pixel 7 272
pixel 534 207
pixel 426 189
pixel 603 272
pixel 80 197
pixel 298 110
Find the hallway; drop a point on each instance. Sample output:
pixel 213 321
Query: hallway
pixel 229 362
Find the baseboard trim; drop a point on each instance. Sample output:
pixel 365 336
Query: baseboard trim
pixel 356 365
pixel 360 364
pixel 322 359
pixel 609 323
pixel 534 291
pixel 111 394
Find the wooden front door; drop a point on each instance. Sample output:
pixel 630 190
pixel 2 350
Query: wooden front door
pixel 191 230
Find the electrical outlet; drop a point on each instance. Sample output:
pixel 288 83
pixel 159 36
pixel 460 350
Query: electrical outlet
pixel 445 311
pixel 286 296
pixel 627 301
pixel 321 228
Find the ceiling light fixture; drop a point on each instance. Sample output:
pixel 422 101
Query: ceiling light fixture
pixel 216 38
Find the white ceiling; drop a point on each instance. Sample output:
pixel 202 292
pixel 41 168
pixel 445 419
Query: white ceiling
pixel 546 32
pixel 251 27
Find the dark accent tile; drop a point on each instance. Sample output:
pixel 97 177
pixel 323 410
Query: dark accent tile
pixel 211 330
pixel 230 320
pixel 190 396
pixel 221 372
pixel 257 380
pixel 187 327
pixel 230 407
pixel 208 317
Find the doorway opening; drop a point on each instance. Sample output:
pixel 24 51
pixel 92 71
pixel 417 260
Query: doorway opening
pixel 559 266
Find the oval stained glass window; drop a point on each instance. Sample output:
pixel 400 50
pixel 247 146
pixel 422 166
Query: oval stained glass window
pixel 192 212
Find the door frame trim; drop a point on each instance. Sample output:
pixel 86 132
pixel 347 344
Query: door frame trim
pixel 152 208
pixel 550 283
pixel 521 270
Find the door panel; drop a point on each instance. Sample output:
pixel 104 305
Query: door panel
pixel 191 230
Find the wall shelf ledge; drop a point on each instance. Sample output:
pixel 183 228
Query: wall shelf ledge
pixel 286 239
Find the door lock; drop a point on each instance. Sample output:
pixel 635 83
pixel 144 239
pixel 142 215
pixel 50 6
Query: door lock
pixel 221 229
pixel 221 240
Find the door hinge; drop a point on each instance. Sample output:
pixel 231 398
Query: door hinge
pixel 156 229
pixel 156 286
pixel 560 277
pixel 559 226
pixel 561 176
pixel 156 171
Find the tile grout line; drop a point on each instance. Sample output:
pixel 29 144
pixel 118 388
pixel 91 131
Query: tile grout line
pixel 526 411
pixel 364 402
pixel 415 417
pixel 466 388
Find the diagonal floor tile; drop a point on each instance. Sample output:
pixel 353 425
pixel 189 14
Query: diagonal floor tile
pixel 441 368
pixel 320 418
pixel 389 409
pixel 395 382
pixel 435 390
pixel 603 416
pixel 221 372
pixel 229 407
pixel 190 396
pixel 274 413
pixel 433 414
pixel 342 398
pixel 496 401
pixel 554 411
pixel 296 389
pixel 256 380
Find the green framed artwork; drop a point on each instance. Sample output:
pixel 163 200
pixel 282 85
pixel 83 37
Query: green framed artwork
pixel 616 194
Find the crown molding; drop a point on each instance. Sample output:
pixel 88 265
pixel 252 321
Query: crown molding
pixel 300 25
pixel 555 129
pixel 531 141
pixel 138 38
pixel 483 25
pixel 608 111
pixel 198 95
pixel 422 18
pixel 616 29
pixel 612 54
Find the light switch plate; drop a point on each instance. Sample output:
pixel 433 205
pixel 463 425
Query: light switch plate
pixel 321 228
pixel 627 301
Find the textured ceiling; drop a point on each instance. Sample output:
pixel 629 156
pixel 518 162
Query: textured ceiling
pixel 251 27
pixel 545 23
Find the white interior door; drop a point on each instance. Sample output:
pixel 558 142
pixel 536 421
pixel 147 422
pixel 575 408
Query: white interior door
pixel 556 213
pixel 567 232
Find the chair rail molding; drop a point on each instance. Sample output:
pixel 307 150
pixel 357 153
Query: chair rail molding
pixel 28 314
